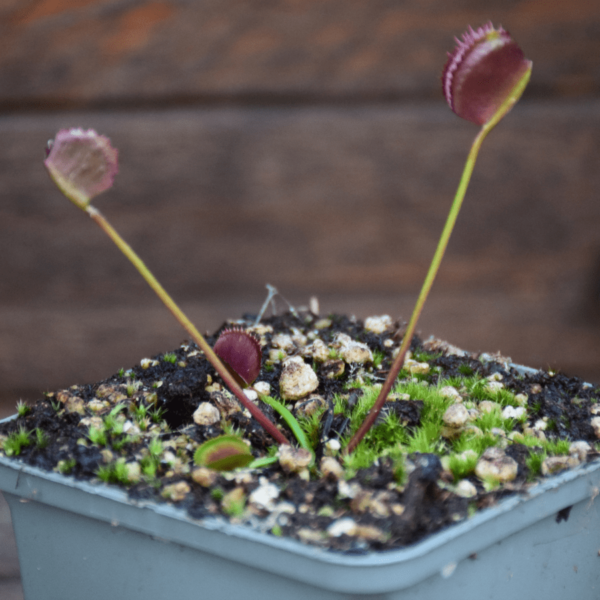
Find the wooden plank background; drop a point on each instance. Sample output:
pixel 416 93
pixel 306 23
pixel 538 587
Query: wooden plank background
pixel 302 144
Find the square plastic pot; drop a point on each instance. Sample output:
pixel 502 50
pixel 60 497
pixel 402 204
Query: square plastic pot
pixel 81 540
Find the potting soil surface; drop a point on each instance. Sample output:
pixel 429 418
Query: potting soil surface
pixel 537 423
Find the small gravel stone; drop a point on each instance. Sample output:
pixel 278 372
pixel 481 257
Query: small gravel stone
pixel 379 324
pixel 450 392
pixel 369 532
pixel 416 368
pixel 331 468
pixel 98 406
pixel 262 387
pixel 310 536
pixel 95 422
pixel 310 406
pixel 332 447
pixel 176 492
pixel 294 460
pixel 352 351
pixel 225 402
pixel 334 368
pixel 465 489
pixel 206 414
pixel 580 449
pixel 494 386
pixel 340 527
pixel 521 399
pixel 595 422
pixel 134 472
pixel 556 464
pixel 204 476
pixel 297 379
pixel 318 350
pixel 264 496
pixel 348 490
pixel 323 324
pixel 511 412
pixel 494 464
pixel 488 406
pixel 456 416
pixel 283 341
pixel 233 499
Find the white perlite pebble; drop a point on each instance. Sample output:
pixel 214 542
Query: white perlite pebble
pixel 318 350
pixel 456 415
pixel 262 387
pixel 379 324
pixel 342 526
pixel 146 363
pixel 595 422
pixel 494 386
pixel 488 406
pixel 580 449
pixel 450 392
pixel 351 351
pixel 556 464
pixel 294 460
pixel 252 395
pixel 284 342
pixel 206 414
pixel 494 464
pixel 332 447
pixel 521 399
pixel 330 467
pixel 465 489
pixel 297 379
pixel 264 496
pixel 510 412
pixel 414 367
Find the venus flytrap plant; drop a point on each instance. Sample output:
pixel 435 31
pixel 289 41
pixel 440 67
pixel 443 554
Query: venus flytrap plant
pixel 482 80
pixel 83 164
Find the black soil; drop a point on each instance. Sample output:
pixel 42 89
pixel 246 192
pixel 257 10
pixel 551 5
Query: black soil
pixel 428 504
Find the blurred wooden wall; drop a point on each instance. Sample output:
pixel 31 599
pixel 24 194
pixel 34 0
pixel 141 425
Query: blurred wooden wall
pixel 300 143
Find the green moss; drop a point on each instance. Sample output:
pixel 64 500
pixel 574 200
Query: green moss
pixel 463 465
pixel 16 441
pixel 534 463
pixel 97 436
pixel 22 408
pixel 66 466
pixel 41 439
pixel 378 357
pixel 466 370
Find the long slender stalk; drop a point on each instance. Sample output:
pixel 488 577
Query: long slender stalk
pixel 502 110
pixel 431 274
pixel 186 324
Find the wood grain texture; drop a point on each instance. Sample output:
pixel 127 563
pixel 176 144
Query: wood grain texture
pixel 345 204
pixel 83 52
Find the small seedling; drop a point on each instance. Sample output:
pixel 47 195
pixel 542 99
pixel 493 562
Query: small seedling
pixel 97 436
pixel 66 466
pixel 16 441
pixel 22 408
pixel 41 439
pixel 223 453
pixel 482 80
pixel 170 357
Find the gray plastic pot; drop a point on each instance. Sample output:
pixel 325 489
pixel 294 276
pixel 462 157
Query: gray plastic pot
pixel 78 540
